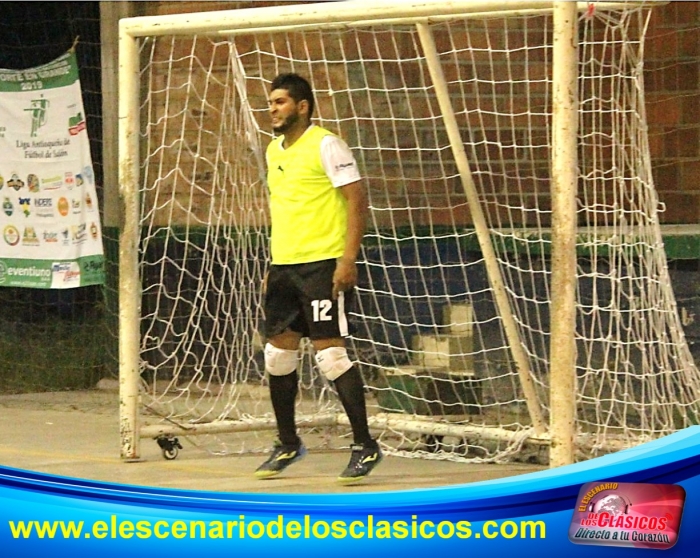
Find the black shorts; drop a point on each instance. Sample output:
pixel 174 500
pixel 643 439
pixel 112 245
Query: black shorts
pixel 299 297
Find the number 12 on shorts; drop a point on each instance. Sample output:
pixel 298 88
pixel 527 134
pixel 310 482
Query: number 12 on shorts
pixel 322 310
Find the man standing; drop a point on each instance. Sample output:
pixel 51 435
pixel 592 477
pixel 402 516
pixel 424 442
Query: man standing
pixel 318 210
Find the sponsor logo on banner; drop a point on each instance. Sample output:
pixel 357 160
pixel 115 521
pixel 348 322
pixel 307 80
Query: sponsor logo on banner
pixel 78 233
pixel 92 266
pixel 15 182
pixel 43 207
pixel 25 204
pixel 33 183
pixel 634 515
pixel 50 237
pixel 76 124
pixel 89 174
pixel 63 206
pixel 65 274
pixel 7 207
pixel 11 235
pixel 69 180
pixel 29 271
pixel 29 238
pixel 51 183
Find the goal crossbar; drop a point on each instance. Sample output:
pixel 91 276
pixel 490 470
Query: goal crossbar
pixel 355 13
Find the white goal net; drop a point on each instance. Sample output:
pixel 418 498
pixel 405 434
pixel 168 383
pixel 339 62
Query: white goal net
pixel 445 377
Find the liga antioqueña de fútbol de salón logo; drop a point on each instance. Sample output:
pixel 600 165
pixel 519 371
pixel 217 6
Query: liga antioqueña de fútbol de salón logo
pixel 635 515
pixel 37 108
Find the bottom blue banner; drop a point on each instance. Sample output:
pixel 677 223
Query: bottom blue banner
pixel 646 497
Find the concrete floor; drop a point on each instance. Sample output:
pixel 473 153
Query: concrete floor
pixel 76 435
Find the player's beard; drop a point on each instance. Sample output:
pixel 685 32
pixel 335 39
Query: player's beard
pixel 286 124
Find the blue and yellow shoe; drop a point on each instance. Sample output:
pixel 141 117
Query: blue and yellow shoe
pixel 363 459
pixel 282 457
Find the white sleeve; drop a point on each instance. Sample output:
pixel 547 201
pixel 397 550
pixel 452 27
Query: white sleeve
pixel 338 161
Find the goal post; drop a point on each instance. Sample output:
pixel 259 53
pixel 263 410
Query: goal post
pixel 564 189
pixel 130 290
pixel 511 294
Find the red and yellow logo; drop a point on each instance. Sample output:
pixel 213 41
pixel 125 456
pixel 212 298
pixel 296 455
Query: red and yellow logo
pixel 634 515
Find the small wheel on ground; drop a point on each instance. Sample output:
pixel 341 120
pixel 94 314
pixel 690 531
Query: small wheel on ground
pixel 169 446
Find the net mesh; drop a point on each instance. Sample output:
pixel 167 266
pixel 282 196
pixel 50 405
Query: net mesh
pixel 428 336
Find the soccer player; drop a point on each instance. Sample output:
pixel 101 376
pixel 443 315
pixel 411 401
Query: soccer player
pixel 318 209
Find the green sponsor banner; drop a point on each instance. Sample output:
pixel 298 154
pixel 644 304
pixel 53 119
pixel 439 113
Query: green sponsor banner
pixel 51 235
pixel 58 73
pixel 48 274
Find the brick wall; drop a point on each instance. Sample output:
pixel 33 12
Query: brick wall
pixel 672 83
pixel 673 109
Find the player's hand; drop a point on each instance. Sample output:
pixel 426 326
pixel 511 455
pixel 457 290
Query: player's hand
pixel 344 277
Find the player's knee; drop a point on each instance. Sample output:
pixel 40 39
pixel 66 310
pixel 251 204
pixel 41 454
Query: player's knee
pixel 280 362
pixel 333 362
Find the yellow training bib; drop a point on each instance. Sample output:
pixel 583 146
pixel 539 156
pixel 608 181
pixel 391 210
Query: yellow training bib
pixel 309 215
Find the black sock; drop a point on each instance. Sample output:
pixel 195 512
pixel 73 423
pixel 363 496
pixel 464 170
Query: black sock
pixel 283 394
pixel 351 391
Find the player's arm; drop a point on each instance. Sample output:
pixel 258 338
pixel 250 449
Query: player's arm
pixel 267 185
pixel 345 276
pixel 341 167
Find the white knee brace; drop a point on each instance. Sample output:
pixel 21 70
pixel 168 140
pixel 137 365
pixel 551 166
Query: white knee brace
pixel 280 362
pixel 333 362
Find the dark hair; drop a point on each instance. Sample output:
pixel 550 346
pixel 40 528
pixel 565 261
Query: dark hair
pixel 298 88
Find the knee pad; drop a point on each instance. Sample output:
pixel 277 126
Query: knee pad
pixel 333 362
pixel 280 362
